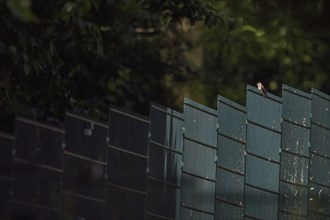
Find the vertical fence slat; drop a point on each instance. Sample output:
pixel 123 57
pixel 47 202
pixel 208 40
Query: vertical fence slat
pixel 127 165
pixel 164 164
pixel 84 167
pixel 319 163
pixel 199 157
pixel 231 160
pixel 37 168
pixel 262 155
pixel 295 153
pixel 6 161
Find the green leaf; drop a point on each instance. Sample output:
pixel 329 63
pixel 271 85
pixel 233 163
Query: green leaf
pixel 21 10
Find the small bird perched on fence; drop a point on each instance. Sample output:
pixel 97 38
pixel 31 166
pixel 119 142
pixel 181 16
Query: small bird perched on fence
pixel 262 89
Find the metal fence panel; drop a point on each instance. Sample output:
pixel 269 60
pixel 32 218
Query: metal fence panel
pixel 6 154
pixel 295 139
pixel 122 124
pixel 21 210
pixel 48 188
pixel 231 160
pixel 75 207
pixel 83 177
pixel 293 199
pixel 225 210
pixel 127 164
pixel 320 139
pixel 262 154
pixel 320 108
pixel 201 159
pixel 41 213
pixel 231 154
pixel 5 186
pixel 259 109
pixel 260 204
pixel 198 182
pixel 259 142
pixel 85 136
pixel 164 163
pixel 197 193
pixel 319 164
pixel 123 204
pixel 296 107
pixel 190 214
pixel 162 199
pixel 230 188
pixel 262 173
pixel 295 151
pixel 287 216
pixel 232 119
pixel 24 182
pixel 319 170
pixel 200 123
pixel 38 142
pixel 127 170
pixel 294 168
pixel 319 199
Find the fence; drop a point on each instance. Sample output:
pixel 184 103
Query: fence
pixel 268 160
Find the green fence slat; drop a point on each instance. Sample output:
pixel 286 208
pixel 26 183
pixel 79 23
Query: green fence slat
pixel 231 154
pixel 225 210
pixel 230 189
pixel 259 142
pixel 189 214
pixel 320 108
pixel 164 163
pixel 85 136
pixel 263 111
pixel 231 160
pixel 319 164
pixel 296 106
pixel 127 164
pixel 260 204
pixel 320 139
pixel 295 151
pixel 199 159
pixel 262 154
pixel 232 119
pixel 267 175
pixel 293 199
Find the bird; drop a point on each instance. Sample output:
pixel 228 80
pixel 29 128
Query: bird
pixel 262 89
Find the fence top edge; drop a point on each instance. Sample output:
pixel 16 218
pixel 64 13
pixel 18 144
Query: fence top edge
pixel 166 110
pixel 224 100
pixel 295 91
pixel 7 136
pixel 86 118
pixel 270 96
pixel 128 113
pixel 320 94
pixel 57 126
pixel 201 107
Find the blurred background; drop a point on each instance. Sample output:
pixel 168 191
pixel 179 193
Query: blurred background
pixel 87 54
